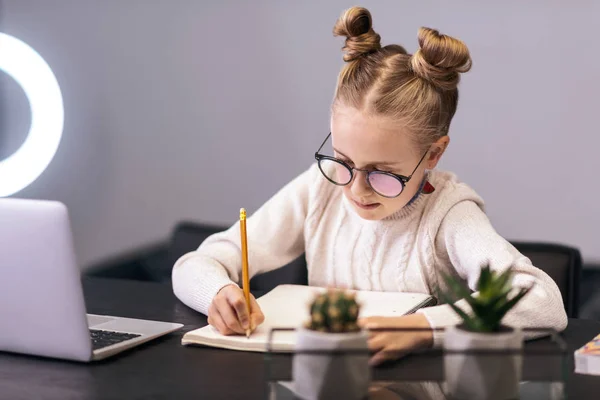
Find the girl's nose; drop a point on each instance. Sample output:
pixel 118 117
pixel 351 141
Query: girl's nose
pixel 359 186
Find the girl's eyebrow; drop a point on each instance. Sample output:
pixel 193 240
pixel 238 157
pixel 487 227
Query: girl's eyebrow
pixel 370 163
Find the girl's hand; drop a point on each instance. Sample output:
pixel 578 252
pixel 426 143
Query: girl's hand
pixel 391 345
pixel 229 314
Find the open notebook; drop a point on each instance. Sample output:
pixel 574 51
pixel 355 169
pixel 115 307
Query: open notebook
pixel 286 306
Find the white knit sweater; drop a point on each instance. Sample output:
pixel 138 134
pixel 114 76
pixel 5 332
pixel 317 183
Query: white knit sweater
pixel 445 231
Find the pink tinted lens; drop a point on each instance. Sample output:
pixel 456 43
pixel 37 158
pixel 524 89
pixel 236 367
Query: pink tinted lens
pixel 386 185
pixel 335 171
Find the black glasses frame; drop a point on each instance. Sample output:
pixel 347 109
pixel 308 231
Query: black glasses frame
pixel 401 178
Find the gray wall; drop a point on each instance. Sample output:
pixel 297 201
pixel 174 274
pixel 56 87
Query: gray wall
pixel 191 109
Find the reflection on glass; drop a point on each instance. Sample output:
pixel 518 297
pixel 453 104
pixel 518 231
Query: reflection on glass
pixel 426 390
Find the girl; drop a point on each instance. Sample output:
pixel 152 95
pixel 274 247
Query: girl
pixel 375 214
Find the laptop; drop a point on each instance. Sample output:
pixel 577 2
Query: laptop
pixel 42 308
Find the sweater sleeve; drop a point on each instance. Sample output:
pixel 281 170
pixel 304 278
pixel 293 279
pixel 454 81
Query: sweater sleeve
pixel 275 234
pixel 468 241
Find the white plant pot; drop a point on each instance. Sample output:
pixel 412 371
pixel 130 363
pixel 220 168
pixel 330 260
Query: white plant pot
pixel 330 376
pixel 483 376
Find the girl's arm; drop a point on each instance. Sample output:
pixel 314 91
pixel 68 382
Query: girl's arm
pixel 275 237
pixel 467 241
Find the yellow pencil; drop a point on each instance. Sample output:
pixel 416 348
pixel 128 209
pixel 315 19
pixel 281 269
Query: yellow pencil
pixel 245 274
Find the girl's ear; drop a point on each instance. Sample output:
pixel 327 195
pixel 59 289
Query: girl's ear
pixel 436 151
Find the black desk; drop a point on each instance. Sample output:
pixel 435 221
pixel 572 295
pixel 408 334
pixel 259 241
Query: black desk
pixel 165 369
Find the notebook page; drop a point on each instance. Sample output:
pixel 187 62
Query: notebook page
pixel 286 306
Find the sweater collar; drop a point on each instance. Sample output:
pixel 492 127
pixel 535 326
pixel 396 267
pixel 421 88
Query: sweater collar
pixel 414 204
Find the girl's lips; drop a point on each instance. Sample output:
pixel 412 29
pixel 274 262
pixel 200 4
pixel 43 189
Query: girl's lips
pixel 370 206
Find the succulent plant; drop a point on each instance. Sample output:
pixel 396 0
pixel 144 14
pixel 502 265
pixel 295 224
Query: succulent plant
pixel 495 297
pixel 334 311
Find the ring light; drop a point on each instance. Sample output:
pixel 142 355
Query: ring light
pixel 33 74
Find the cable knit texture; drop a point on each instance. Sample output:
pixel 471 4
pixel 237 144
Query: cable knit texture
pixel 446 230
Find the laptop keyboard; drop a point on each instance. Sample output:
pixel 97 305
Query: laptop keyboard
pixel 102 338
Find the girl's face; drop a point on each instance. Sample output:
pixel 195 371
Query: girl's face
pixel 369 143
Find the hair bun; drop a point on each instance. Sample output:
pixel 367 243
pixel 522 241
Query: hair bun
pixel 440 59
pixel 356 24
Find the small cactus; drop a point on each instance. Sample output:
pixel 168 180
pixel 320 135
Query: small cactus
pixel 334 311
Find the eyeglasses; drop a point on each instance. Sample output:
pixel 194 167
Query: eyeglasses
pixel 383 183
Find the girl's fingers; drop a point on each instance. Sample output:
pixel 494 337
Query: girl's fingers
pixel 379 358
pixel 385 355
pixel 376 342
pixel 237 302
pixel 256 315
pixel 229 315
pixel 216 320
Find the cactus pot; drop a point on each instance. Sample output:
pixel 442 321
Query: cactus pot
pixel 483 376
pixel 331 376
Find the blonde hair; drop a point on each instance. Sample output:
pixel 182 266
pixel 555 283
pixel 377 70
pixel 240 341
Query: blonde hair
pixel 419 90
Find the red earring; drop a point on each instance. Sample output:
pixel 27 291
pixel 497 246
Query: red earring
pixel 428 188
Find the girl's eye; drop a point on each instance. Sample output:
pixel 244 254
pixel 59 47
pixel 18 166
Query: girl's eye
pixel 346 161
pixel 382 169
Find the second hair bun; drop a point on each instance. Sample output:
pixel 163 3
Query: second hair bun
pixel 440 59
